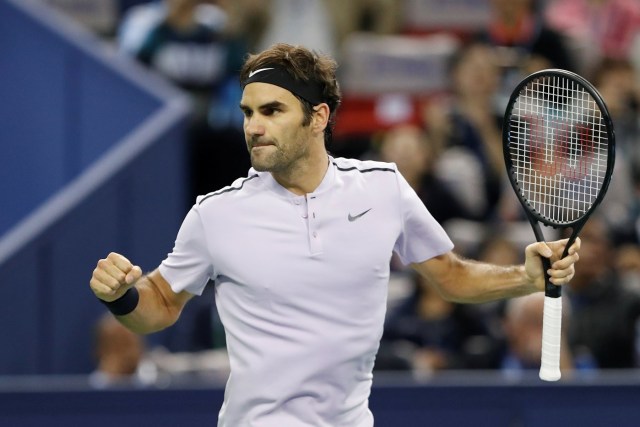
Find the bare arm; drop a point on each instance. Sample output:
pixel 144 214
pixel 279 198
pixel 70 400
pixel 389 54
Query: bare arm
pixel 158 307
pixel 468 281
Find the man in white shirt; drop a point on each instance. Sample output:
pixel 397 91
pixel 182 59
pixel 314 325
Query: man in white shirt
pixel 299 251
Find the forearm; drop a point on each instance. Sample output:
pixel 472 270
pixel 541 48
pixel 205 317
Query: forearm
pixel 480 282
pixel 158 306
pixel 144 304
pixel 153 312
pixel 468 281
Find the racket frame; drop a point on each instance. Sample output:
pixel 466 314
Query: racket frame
pixel 506 138
pixel 549 370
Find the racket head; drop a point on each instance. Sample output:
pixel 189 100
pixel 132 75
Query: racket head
pixel 559 147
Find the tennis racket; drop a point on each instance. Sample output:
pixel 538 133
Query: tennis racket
pixel 559 150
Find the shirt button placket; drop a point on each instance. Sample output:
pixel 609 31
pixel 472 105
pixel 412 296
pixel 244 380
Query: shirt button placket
pixel 315 241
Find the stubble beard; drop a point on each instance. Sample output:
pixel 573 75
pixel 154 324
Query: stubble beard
pixel 279 160
pixel 272 162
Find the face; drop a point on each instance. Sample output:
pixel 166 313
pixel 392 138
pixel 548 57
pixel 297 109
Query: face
pixel 477 75
pixel 406 147
pixel 273 128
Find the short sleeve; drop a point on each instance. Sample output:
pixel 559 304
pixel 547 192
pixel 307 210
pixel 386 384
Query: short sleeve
pixel 421 237
pixel 188 267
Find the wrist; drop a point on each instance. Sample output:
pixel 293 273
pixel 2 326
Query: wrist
pixel 531 283
pixel 125 304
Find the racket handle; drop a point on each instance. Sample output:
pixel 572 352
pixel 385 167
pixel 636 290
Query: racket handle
pixel 551 332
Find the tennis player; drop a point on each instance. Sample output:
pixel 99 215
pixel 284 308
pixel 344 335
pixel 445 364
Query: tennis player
pixel 299 251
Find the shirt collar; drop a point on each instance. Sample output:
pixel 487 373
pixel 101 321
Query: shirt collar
pixel 273 185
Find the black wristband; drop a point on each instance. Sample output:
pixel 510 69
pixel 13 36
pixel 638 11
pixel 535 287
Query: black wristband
pixel 125 304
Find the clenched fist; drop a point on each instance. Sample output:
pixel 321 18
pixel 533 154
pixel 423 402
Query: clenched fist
pixel 113 276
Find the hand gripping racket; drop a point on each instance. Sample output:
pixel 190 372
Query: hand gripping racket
pixel 559 150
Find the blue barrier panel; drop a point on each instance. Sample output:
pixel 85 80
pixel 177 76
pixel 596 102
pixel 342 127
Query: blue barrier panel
pixel 93 161
pixel 441 404
pixel 61 109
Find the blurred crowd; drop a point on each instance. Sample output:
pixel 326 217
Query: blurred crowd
pixel 425 85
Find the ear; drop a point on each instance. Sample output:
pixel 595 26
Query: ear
pixel 320 117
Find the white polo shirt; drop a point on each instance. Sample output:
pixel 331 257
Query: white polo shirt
pixel 301 286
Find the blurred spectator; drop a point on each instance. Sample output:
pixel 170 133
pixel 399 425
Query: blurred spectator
pixel 424 333
pixel 200 328
pixel 246 19
pixel 427 333
pixel 243 19
pixel 615 79
pixel 194 56
pixel 523 332
pixel 120 356
pixel 496 248
pixel 300 22
pixel 628 266
pixel 136 23
pixel 468 126
pixel 188 42
pixel 139 20
pixel 604 312
pixel 409 148
pixel 597 28
pixel 525 40
pixel 523 43
pixel 326 23
pixel 371 16
pixel 196 347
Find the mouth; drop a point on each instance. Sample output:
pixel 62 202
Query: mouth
pixel 261 145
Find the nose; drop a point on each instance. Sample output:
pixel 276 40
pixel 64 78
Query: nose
pixel 253 125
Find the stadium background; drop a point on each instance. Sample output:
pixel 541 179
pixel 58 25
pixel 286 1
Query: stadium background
pixel 83 132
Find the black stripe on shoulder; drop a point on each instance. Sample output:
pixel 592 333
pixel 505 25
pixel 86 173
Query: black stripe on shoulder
pixel 365 170
pixel 227 190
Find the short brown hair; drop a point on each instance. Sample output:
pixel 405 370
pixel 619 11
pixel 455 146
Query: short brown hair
pixel 305 65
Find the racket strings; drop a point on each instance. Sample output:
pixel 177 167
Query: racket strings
pixel 558 147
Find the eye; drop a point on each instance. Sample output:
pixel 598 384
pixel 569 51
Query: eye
pixel 247 113
pixel 269 111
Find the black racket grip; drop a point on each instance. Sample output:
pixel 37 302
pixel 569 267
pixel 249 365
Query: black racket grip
pixel 550 290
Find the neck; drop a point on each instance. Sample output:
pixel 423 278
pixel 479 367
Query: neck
pixel 306 175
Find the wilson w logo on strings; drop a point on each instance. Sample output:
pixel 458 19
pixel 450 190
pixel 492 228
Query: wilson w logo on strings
pixel 559 148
